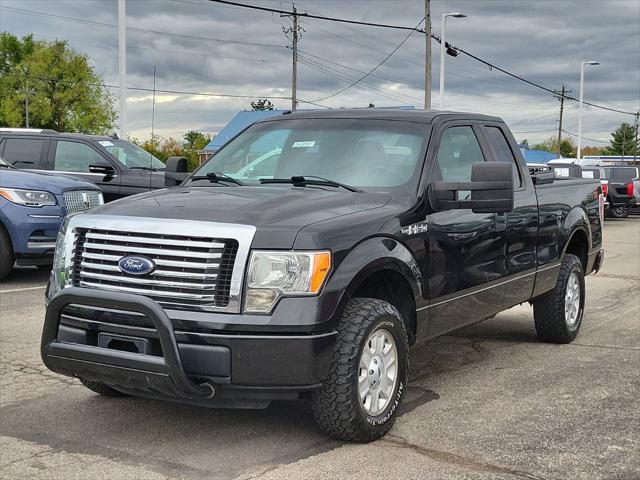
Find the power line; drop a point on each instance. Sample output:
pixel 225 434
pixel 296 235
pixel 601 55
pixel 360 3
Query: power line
pixel 585 138
pixel 374 68
pixel 170 92
pixel 317 17
pixel 136 29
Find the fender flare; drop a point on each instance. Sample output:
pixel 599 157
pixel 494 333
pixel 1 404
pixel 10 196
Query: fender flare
pixel 373 255
pixel 576 220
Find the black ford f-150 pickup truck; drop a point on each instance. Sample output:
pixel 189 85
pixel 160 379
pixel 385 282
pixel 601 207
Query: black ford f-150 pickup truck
pixel 364 232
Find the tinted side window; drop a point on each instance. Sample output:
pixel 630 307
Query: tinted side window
pixel 503 151
pixel 75 157
pixel 459 150
pixel 23 152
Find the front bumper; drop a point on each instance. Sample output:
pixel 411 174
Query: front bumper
pixel 33 231
pixel 186 366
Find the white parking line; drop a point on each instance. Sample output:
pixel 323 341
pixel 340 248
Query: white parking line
pixel 13 290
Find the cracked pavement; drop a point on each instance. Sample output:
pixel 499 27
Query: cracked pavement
pixel 487 402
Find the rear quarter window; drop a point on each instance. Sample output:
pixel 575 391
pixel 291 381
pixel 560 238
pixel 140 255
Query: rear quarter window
pixel 23 152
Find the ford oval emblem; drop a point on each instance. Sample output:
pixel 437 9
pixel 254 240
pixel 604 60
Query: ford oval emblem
pixel 136 265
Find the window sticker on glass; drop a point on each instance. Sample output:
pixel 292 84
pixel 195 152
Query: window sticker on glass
pixel 105 143
pixel 587 174
pixel 303 144
pixel 561 172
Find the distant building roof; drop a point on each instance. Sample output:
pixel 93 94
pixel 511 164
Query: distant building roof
pixel 238 123
pixel 536 156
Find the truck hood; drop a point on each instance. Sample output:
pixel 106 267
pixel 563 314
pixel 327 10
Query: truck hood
pixel 278 212
pixel 56 184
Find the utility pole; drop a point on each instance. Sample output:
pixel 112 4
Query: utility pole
pixel 560 96
pixel 153 109
pixel 295 32
pixel 122 67
pixel 427 59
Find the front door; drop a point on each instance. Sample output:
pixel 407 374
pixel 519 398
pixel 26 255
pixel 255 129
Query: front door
pixel 466 249
pixel 74 159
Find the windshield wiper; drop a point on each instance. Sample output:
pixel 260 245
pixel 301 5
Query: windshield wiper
pixel 151 169
pixel 217 177
pixel 310 180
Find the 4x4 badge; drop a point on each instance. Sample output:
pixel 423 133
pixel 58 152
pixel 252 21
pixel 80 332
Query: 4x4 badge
pixel 421 227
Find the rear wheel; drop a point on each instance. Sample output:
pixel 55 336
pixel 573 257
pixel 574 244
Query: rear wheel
pixel 558 313
pixel 368 375
pixel 7 259
pixel 102 389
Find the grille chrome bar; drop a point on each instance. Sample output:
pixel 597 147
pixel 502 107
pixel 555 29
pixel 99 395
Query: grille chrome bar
pixel 144 281
pixel 160 273
pixel 146 292
pixel 153 251
pixel 153 241
pixel 162 262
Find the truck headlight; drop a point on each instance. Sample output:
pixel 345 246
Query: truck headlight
pixel 272 275
pixel 29 198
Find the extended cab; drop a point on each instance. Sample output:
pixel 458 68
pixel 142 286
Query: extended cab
pixel 370 231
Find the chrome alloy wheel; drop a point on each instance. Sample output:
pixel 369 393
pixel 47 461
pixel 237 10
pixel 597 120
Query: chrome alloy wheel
pixel 378 372
pixel 572 300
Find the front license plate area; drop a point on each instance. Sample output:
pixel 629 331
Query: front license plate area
pixel 124 343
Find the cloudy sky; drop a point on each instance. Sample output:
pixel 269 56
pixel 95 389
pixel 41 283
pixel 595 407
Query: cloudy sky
pixel 200 46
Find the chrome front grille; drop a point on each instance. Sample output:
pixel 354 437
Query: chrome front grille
pixel 79 200
pixel 190 271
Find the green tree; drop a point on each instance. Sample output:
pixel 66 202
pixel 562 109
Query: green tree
pixel 567 147
pixel 194 141
pixel 262 104
pixel 64 92
pixel 623 141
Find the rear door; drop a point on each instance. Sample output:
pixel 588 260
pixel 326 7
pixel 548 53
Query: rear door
pixel 466 250
pixel 522 222
pixel 25 152
pixel 74 158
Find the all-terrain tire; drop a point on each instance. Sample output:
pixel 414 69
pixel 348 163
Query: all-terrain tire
pixel 102 389
pixel 337 408
pixel 619 212
pixel 549 309
pixel 7 259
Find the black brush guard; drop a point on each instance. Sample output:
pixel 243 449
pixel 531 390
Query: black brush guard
pixel 164 374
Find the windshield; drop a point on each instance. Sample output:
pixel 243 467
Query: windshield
pixel 369 154
pixel 131 155
pixel 621 174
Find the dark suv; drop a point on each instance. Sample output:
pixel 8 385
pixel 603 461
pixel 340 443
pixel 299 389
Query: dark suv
pixel 118 167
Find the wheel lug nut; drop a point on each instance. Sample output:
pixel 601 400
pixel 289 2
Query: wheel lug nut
pixel 370 372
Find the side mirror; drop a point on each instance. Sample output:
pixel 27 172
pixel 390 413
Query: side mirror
pixel 491 188
pixel 103 168
pixel 176 171
pixel 176 165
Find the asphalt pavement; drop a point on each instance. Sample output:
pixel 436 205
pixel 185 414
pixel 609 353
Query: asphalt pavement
pixel 488 402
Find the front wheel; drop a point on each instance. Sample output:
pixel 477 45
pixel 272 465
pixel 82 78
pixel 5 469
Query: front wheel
pixel 558 313
pixel 367 379
pixel 7 259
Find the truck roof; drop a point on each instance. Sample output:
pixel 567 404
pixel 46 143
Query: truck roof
pixel 51 133
pixel 420 116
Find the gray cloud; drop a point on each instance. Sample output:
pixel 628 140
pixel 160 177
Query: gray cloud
pixel 543 41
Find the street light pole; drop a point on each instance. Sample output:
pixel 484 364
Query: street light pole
pixel 579 152
pixel 443 50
